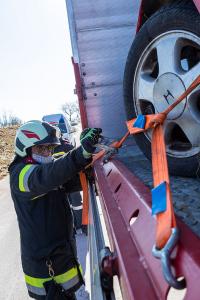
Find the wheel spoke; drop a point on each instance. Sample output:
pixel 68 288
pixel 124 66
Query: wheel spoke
pixel 167 129
pixel 189 141
pixel 167 54
pixel 145 89
pixel 191 130
pixel 191 75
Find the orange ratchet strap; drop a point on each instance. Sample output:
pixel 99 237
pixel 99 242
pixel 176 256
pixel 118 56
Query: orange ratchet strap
pixel 116 145
pixel 85 211
pixel 83 179
pixel 165 218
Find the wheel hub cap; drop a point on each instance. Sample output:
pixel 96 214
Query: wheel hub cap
pixel 167 89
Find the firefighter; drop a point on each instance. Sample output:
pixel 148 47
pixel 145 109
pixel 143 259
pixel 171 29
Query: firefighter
pixel 38 187
pixel 63 147
pixel 75 197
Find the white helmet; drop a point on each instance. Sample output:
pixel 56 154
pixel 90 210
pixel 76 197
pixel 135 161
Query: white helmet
pixel 34 133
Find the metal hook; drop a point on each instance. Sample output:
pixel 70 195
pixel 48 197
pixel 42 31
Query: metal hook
pixel 109 151
pixel 164 255
pixel 51 270
pixel 109 154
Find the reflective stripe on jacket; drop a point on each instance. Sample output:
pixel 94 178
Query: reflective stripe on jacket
pixel 58 154
pixel 24 176
pixel 68 280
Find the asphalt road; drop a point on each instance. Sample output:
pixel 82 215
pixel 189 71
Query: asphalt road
pixel 12 286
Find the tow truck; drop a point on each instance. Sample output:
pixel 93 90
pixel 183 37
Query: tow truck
pixel 132 59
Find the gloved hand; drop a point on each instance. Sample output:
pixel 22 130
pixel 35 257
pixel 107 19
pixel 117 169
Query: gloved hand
pixel 88 138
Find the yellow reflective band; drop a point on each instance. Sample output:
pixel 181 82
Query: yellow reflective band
pixel 58 154
pixel 38 282
pixel 67 276
pixel 21 177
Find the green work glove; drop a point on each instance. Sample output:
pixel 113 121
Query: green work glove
pixel 88 138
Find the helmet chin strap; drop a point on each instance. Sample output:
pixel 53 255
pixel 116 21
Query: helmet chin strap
pixel 42 159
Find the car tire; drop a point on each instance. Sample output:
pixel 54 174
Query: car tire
pixel 172 18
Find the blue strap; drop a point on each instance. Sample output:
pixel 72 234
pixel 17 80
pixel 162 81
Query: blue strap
pixel 159 199
pixel 140 122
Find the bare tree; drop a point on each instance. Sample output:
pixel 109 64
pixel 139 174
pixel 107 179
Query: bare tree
pixel 9 120
pixel 13 120
pixel 70 108
pixel 4 119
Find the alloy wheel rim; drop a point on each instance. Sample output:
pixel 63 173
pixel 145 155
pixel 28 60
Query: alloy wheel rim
pixel 166 68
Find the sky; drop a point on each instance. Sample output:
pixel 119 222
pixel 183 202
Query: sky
pixel 36 73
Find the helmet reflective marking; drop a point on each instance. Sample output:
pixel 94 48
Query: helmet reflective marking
pixel 34 133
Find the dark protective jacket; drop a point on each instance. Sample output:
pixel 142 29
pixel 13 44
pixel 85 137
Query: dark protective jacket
pixel 63 148
pixel 75 197
pixel 44 216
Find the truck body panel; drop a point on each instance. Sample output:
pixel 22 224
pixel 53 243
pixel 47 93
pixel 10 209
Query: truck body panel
pixel 101 35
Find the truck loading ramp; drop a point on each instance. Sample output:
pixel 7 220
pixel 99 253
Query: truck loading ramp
pixel 185 191
pixel 123 186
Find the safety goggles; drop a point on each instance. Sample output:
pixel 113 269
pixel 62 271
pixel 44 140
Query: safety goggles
pixel 45 148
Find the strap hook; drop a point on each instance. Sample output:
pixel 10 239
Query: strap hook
pixel 164 255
